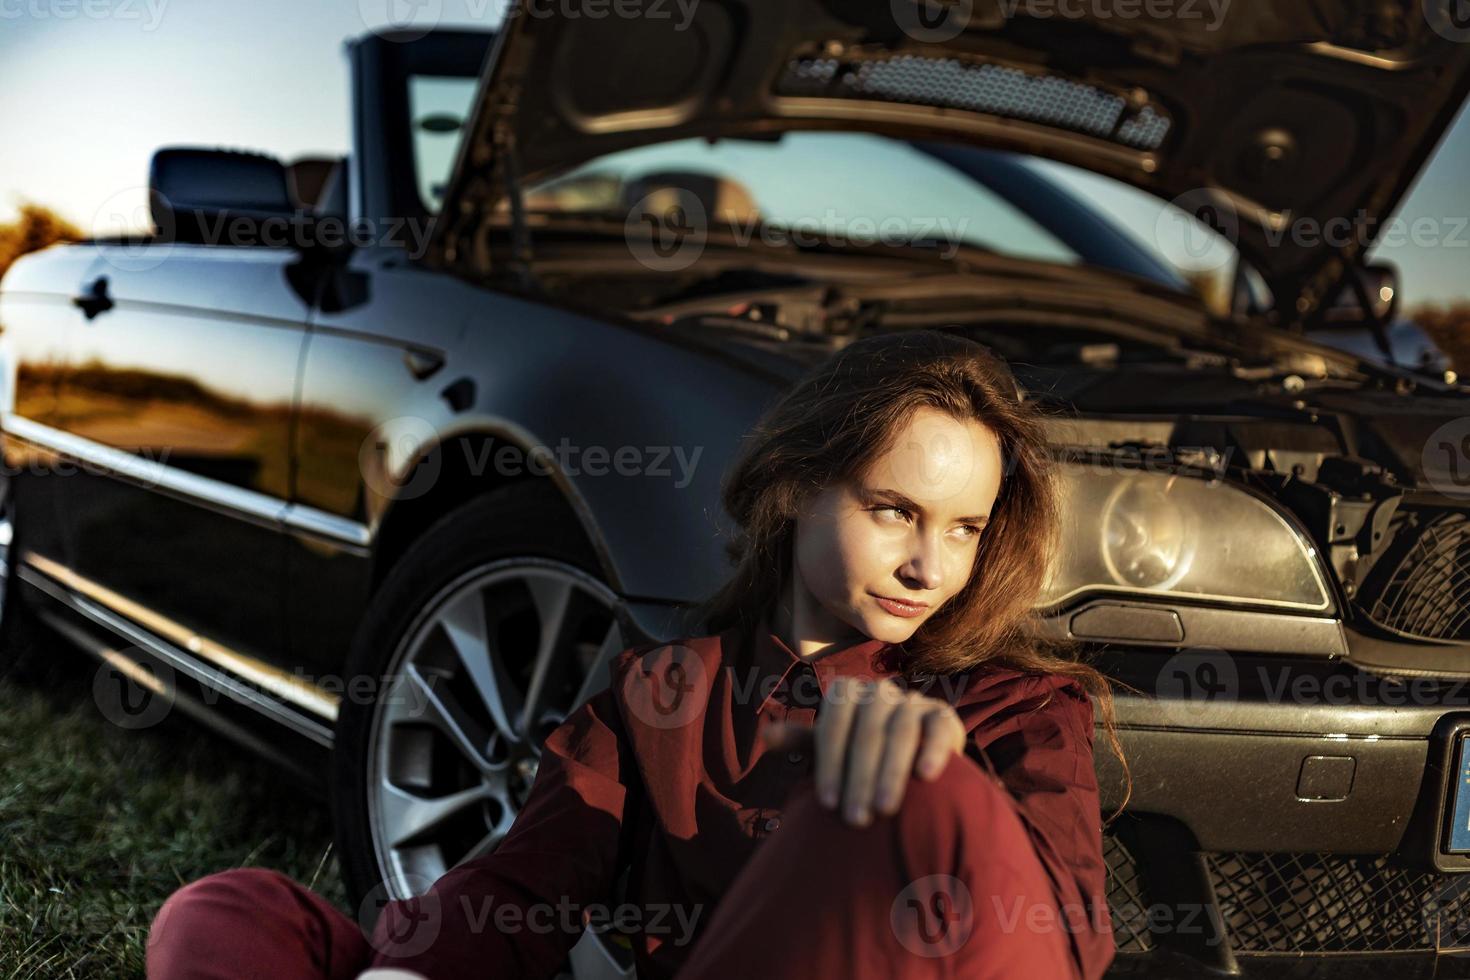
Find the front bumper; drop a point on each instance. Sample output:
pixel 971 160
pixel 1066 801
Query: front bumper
pixel 1285 820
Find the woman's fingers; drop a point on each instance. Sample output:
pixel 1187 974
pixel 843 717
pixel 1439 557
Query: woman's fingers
pixel 944 735
pixel 870 738
pixel 833 726
pixel 865 750
pixel 905 731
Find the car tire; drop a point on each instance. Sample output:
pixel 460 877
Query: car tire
pixel 403 641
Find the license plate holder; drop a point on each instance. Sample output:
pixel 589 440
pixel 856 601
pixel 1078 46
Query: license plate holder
pixel 1456 839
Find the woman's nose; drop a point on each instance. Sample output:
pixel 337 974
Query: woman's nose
pixel 924 566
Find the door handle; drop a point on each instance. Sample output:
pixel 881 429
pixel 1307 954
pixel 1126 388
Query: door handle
pixel 93 299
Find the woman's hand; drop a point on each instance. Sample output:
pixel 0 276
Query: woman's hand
pixel 870 736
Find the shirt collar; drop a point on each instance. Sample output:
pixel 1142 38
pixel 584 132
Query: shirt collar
pixel 769 659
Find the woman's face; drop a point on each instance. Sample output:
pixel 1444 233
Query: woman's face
pixel 908 530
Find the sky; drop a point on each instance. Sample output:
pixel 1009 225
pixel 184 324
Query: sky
pixel 93 87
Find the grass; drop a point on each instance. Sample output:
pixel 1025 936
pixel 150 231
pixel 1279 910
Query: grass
pixel 99 824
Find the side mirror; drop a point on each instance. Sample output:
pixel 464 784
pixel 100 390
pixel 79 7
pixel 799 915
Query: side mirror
pixel 220 197
pixel 1371 295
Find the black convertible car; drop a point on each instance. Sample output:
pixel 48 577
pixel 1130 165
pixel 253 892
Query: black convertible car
pixel 375 462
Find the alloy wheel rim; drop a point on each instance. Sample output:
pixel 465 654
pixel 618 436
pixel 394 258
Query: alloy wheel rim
pixel 495 661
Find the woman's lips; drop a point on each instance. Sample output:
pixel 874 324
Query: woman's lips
pixel 900 608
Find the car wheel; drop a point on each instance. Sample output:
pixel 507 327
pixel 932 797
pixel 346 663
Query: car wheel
pixel 485 635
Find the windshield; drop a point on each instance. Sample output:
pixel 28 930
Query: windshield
pixel 833 188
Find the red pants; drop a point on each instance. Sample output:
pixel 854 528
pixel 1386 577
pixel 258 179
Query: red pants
pixel 947 887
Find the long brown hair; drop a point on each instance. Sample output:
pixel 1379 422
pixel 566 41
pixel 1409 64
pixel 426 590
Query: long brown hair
pixel 847 413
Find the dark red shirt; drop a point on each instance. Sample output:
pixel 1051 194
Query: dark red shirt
pixel 663 774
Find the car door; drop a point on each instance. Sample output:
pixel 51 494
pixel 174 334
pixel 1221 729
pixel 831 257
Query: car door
pixel 39 318
pixel 178 403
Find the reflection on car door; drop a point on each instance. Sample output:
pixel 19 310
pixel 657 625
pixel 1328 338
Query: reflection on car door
pixel 181 385
pixel 39 318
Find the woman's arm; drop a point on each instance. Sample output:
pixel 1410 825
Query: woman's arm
pixel 517 911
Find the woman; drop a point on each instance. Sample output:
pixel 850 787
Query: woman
pixel 865 768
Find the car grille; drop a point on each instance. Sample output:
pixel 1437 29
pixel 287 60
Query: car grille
pixel 1421 587
pixel 1333 903
pixel 998 90
pixel 1126 898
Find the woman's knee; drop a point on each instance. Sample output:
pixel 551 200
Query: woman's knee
pixel 962 795
pixel 217 899
pixel 962 792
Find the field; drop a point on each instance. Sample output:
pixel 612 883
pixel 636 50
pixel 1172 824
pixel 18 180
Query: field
pixel 99 824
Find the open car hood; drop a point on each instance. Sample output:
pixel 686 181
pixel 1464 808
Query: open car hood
pixel 1268 119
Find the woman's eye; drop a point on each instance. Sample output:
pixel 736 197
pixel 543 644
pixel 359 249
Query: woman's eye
pixel 897 510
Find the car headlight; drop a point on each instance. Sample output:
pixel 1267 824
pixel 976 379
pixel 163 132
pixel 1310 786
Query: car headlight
pixel 1138 532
